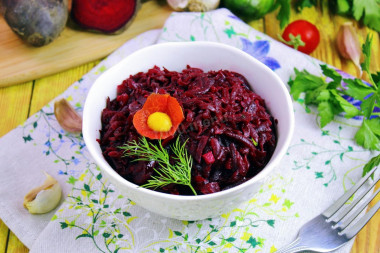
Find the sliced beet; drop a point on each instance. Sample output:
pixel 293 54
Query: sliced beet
pixel 106 16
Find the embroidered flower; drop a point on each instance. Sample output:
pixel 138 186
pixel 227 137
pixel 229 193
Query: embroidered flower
pixel 259 49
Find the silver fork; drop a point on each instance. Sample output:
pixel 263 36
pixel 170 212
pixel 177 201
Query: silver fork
pixel 329 230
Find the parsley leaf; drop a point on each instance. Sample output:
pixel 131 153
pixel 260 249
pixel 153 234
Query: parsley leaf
pixel 317 91
pixel 341 7
pixel 347 107
pixel 304 81
pixel 369 95
pixel 375 161
pixel 326 113
pixel 366 49
pixel 368 11
pixel 357 89
pixel 284 14
pixel 368 105
pixel 376 78
pixel 374 124
pixel 300 4
pixel 335 76
pixel 366 135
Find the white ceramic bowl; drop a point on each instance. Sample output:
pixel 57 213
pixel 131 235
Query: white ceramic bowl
pixel 175 56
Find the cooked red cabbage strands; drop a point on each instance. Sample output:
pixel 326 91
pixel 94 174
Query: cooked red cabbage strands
pixel 230 135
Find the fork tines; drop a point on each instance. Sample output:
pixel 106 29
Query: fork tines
pixel 340 220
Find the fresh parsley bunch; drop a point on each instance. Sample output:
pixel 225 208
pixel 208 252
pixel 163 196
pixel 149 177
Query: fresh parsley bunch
pixel 328 95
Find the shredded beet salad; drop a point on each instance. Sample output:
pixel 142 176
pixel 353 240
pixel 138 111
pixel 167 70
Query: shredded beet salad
pixel 230 134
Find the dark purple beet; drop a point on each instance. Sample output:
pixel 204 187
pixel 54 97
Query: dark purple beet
pixel 37 22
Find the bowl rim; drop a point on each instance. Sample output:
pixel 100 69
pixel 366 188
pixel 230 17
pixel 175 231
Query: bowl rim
pixel 269 167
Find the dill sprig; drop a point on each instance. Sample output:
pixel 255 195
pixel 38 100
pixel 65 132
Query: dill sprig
pixel 177 173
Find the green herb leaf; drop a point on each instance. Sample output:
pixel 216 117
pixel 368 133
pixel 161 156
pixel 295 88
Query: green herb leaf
pixel 168 173
pixel 304 81
pixel 300 4
pixel 324 95
pixel 335 76
pixel 366 49
pixel 341 7
pixel 368 11
pixel 375 161
pixel 368 105
pixel 357 89
pixel 311 96
pixel 347 107
pixel 366 135
pixel 326 113
pixel 374 125
pixel 284 14
pixel 376 78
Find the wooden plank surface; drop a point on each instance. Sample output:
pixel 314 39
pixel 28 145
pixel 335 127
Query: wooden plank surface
pixel 20 101
pixel 20 62
pixel 18 96
pixel 4 231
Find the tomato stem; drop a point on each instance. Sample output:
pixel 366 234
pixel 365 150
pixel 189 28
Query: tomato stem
pixel 295 41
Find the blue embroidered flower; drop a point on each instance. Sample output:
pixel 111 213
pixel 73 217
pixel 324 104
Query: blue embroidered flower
pixel 235 17
pixel 259 49
pixel 48 143
pixel 75 160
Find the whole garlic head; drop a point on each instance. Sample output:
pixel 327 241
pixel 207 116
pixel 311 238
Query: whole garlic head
pixel 194 5
pixel 43 198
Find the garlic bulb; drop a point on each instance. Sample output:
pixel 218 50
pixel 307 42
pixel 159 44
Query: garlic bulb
pixel 194 5
pixel 67 117
pixel 44 198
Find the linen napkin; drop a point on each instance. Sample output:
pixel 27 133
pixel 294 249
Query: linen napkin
pixel 94 217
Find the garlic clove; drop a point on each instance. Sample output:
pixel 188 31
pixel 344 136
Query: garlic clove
pixel 67 117
pixel 178 5
pixel 348 44
pixel 193 5
pixel 43 198
pixel 202 5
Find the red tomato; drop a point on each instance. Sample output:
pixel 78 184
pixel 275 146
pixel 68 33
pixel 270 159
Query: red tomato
pixel 301 35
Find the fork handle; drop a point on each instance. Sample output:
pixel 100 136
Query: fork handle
pixel 293 247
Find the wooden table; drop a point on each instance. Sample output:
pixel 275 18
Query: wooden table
pixel 18 102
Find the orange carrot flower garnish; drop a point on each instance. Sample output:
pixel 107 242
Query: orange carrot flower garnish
pixel 159 118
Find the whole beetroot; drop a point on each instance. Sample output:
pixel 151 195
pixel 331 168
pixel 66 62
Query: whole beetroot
pixel 37 22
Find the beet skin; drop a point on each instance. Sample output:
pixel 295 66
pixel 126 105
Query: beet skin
pixel 38 22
